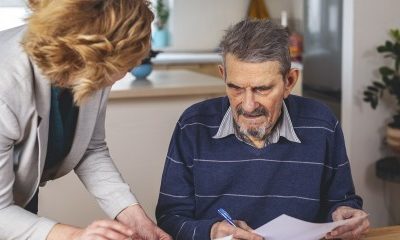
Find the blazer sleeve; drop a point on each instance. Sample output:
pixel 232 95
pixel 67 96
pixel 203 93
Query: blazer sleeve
pixel 15 222
pixel 98 172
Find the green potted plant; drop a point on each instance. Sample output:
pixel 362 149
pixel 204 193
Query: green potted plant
pixel 160 34
pixel 390 83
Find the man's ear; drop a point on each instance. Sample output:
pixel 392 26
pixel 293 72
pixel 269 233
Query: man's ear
pixel 221 71
pixel 290 81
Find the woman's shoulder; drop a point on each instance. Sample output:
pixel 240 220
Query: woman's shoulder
pixel 10 42
pixel 16 74
pixel 12 33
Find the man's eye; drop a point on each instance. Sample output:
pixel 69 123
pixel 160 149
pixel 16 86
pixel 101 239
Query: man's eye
pixel 262 90
pixel 234 87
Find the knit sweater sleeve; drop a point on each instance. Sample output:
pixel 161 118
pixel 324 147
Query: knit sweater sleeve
pixel 175 210
pixel 340 187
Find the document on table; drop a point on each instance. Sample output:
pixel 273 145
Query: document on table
pixel 285 227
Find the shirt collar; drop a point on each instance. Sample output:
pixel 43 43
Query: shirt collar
pixel 284 128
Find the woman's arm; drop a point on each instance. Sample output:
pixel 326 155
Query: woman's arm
pixel 102 179
pixel 15 222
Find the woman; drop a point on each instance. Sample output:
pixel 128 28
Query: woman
pixel 55 76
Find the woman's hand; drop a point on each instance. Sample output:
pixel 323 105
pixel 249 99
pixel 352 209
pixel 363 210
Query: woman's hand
pixel 143 228
pixel 99 230
pixel 104 230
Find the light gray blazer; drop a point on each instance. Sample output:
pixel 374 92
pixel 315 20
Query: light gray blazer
pixel 24 123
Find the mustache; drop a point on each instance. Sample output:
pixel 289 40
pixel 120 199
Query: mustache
pixel 260 111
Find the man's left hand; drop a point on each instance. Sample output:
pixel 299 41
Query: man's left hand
pixel 143 228
pixel 353 229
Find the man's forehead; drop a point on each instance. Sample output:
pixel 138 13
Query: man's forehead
pixel 232 63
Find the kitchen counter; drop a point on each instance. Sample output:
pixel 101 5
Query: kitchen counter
pixel 167 83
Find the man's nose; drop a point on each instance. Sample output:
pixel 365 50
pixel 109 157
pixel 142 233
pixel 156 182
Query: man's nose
pixel 249 103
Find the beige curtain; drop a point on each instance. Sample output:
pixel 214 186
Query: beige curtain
pixel 257 10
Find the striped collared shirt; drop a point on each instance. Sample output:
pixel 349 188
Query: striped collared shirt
pixel 284 128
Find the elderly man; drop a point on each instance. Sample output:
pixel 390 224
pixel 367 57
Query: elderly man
pixel 259 152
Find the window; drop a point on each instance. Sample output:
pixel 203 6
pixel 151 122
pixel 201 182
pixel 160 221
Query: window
pixel 12 13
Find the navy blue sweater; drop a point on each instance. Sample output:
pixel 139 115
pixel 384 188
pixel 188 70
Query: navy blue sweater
pixel 306 180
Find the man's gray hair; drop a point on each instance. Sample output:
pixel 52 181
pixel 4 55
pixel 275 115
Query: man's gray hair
pixel 257 41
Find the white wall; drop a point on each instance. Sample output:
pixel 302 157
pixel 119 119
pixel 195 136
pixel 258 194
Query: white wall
pixel 366 24
pixel 198 25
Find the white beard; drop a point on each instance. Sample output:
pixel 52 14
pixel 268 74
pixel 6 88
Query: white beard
pixel 258 132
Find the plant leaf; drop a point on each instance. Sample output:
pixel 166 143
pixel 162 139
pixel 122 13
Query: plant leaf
pixel 385 71
pixel 368 93
pixel 373 89
pixel 382 49
pixel 386 80
pixel 374 103
pixel 396 49
pixel 388 44
pixel 395 34
pixel 378 85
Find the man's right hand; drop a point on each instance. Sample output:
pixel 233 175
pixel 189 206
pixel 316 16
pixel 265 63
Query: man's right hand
pixel 243 231
pixel 101 229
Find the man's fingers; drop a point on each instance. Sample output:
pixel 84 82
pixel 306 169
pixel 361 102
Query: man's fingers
pixel 351 231
pixel 243 234
pixel 361 229
pixel 243 225
pixel 346 228
pixel 354 234
pixel 221 229
pixel 343 213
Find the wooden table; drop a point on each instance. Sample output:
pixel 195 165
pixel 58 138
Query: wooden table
pixel 384 233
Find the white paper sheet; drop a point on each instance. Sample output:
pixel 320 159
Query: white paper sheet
pixel 225 238
pixel 285 227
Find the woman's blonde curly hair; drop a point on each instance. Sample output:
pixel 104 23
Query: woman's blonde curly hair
pixel 81 44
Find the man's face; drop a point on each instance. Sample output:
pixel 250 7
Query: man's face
pixel 256 92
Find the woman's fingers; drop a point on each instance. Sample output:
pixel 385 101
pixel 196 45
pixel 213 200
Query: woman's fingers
pixel 106 230
pixel 114 225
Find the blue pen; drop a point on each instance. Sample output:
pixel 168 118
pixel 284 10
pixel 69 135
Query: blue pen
pixel 227 217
